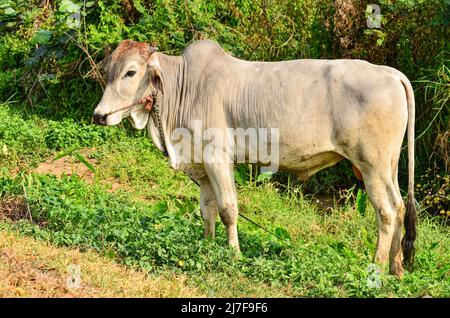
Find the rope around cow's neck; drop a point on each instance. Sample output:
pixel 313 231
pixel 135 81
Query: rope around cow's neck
pixel 161 132
pixel 150 104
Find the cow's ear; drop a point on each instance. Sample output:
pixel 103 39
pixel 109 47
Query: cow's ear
pixel 156 79
pixel 155 73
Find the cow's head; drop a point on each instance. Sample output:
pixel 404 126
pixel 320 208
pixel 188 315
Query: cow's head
pixel 133 71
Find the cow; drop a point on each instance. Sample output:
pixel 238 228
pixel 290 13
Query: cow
pixel 324 111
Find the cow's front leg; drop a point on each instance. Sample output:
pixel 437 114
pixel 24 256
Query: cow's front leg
pixel 208 207
pixel 222 181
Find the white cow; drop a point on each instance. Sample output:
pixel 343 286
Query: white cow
pixel 323 110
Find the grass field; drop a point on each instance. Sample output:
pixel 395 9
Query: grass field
pixel 31 268
pixel 133 219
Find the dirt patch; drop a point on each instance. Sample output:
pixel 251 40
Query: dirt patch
pixel 67 166
pixel 328 202
pixel 71 166
pixel 13 208
pixel 112 185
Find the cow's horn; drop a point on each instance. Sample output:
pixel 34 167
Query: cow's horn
pixel 152 49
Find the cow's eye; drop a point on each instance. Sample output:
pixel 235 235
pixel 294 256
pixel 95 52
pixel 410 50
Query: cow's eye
pixel 130 73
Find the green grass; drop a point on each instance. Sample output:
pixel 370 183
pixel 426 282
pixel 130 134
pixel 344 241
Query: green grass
pixel 152 220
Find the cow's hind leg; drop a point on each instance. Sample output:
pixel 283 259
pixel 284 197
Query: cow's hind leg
pixel 387 203
pixel 395 255
pixel 222 181
pixel 208 207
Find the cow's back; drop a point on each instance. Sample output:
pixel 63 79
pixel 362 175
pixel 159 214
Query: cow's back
pixel 317 105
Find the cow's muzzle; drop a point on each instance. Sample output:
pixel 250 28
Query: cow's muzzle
pixel 100 119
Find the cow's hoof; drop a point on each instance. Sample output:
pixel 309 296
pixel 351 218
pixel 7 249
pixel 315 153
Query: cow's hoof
pixel 209 236
pixel 237 255
pixel 397 270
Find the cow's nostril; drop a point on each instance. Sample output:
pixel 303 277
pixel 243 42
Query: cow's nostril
pixel 100 119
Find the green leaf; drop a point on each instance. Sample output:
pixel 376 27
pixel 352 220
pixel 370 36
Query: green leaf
pixel 433 245
pixel 63 154
pixel 50 78
pixel 239 177
pixel 338 247
pixel 5 4
pixel 89 4
pixel 444 270
pixel 366 240
pixel 179 205
pixel 161 206
pixel 73 21
pixel 68 6
pixel 10 11
pixel 267 175
pixel 283 233
pixel 361 202
pixel 41 37
pixel 84 161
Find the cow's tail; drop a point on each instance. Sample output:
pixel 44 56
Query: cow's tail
pixel 410 219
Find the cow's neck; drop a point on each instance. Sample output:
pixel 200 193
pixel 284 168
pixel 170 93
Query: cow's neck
pixel 170 103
